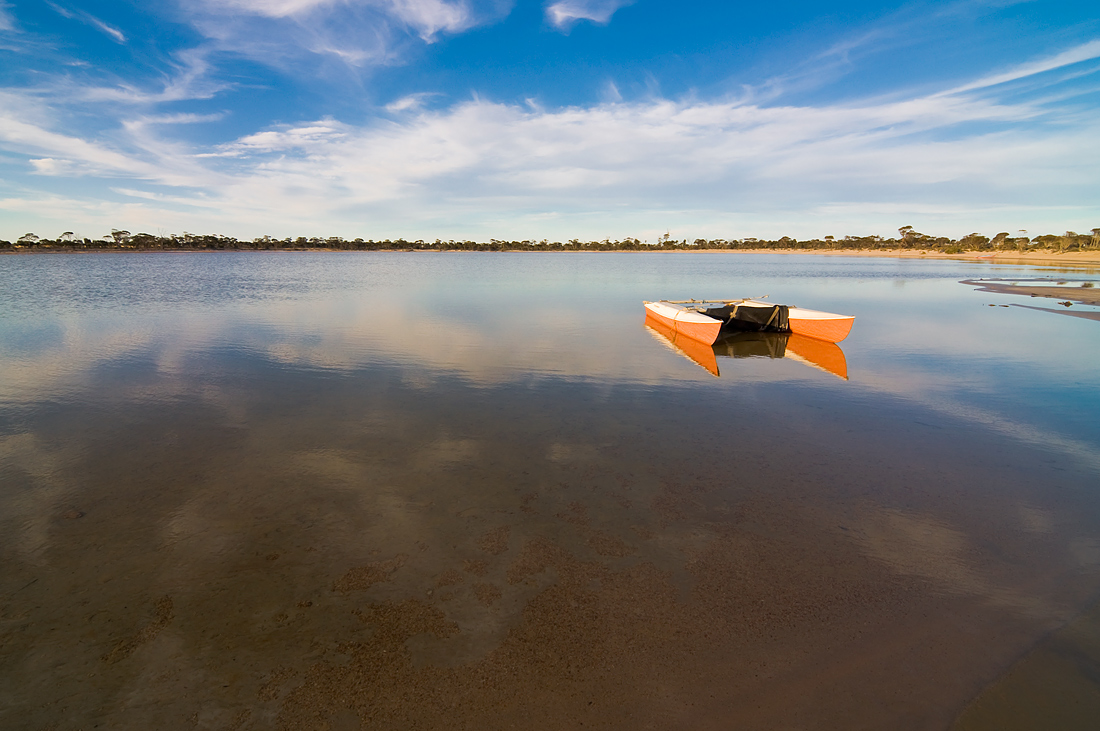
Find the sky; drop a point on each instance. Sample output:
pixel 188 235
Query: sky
pixel 548 119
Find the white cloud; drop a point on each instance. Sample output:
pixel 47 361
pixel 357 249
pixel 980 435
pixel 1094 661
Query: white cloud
pixel 89 19
pixel 1077 54
pixel 491 169
pixel 430 17
pixel 50 166
pixel 7 21
pixel 564 13
pixel 359 32
pixel 68 152
pixel 190 81
pixel 270 8
pixel 178 118
pixel 319 135
pixel 108 29
pixel 412 102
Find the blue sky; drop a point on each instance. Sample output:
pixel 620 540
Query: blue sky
pixel 554 119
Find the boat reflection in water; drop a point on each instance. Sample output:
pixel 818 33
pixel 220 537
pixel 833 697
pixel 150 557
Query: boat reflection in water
pixel 818 354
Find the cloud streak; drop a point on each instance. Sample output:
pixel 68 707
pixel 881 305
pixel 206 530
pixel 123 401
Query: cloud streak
pixel 87 18
pixel 7 21
pixel 359 33
pixel 1084 52
pixel 564 14
pixel 427 17
pixel 478 166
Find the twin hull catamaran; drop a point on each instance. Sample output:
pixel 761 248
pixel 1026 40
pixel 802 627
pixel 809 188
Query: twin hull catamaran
pixel 703 320
pixel 815 353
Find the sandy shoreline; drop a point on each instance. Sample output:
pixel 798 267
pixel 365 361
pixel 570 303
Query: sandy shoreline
pixel 1043 258
pixel 1081 295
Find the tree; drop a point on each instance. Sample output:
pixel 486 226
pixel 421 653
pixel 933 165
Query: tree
pixel 974 241
pixel 67 237
pixel 1096 238
pixel 911 237
pixel 27 239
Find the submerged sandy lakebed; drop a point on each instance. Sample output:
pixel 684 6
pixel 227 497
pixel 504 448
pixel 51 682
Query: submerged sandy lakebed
pixel 354 491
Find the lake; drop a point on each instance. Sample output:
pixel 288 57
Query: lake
pixel 447 490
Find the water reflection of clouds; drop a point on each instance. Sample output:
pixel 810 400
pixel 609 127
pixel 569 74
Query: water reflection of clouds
pixel 507 331
pixel 932 344
pixel 330 337
pixel 926 546
pixel 59 365
pixel 426 349
pixel 36 481
pixel 246 460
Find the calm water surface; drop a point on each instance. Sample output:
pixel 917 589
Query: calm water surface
pixel 475 491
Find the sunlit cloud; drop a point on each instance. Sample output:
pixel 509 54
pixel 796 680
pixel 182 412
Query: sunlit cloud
pixel 85 17
pixel 428 17
pixel 270 8
pixel 50 166
pixel 412 102
pixel 563 14
pixel 189 80
pixel 7 22
pixel 182 118
pixel 1084 52
pixel 360 33
pixel 21 136
pixel 490 168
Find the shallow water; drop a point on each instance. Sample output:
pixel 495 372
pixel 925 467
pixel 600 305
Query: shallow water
pixel 473 490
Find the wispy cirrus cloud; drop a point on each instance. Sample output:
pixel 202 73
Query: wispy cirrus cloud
pixel 426 17
pixel 89 19
pixel 188 78
pixel 412 102
pixel 360 33
pixel 1084 52
pixel 563 14
pixel 7 21
pixel 480 166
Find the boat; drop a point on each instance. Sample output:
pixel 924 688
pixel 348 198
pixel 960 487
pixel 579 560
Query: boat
pixel 819 354
pixel 704 320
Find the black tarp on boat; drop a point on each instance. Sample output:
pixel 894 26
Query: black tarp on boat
pixel 752 316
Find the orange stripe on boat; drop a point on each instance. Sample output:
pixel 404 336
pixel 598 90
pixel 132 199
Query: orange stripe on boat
pixel 705 333
pixel 831 329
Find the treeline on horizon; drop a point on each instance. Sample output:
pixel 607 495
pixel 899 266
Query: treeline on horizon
pixel 908 239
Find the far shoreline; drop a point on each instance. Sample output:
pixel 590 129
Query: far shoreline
pixel 1040 257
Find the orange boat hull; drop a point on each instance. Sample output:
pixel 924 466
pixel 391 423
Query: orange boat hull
pixel 704 332
pixel 831 330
